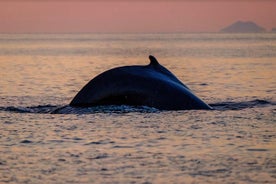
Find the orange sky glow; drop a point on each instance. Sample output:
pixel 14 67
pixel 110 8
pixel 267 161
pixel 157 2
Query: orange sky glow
pixel 59 16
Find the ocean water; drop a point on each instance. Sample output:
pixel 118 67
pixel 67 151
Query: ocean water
pixel 43 140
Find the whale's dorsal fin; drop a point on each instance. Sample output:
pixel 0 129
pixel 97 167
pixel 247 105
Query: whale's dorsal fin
pixel 164 71
pixel 153 61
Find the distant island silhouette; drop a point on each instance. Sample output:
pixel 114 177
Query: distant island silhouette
pixel 243 27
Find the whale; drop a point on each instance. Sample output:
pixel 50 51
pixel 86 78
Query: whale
pixel 150 85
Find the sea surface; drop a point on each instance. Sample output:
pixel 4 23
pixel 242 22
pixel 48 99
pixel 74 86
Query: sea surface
pixel 43 140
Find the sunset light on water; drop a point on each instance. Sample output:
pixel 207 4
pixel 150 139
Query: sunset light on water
pixel 50 50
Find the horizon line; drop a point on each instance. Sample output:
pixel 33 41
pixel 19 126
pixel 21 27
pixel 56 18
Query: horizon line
pixel 169 32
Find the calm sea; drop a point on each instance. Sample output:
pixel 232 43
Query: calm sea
pixel 235 143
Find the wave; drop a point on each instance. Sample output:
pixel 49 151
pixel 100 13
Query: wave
pixel 229 105
pixel 66 109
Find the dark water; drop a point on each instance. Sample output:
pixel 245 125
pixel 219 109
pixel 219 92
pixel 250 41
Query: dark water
pixel 66 109
pixel 43 140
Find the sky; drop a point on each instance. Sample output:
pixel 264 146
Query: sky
pixel 104 16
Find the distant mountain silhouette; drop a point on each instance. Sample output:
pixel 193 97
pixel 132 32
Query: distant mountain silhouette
pixel 243 27
pixel 273 30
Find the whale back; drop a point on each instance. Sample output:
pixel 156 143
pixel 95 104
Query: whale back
pixel 150 85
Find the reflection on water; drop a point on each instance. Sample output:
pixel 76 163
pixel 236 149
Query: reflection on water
pixel 38 63
pixel 234 143
pixel 208 78
pixel 194 146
